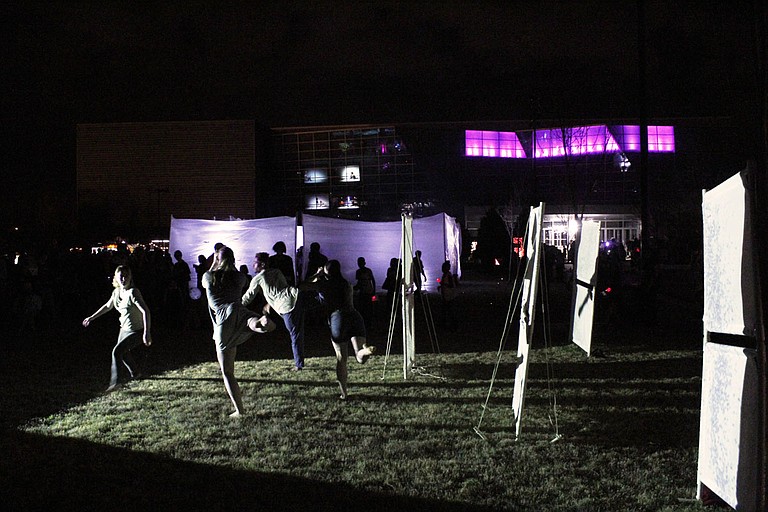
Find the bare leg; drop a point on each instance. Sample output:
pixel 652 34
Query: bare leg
pixel 362 354
pixel 341 367
pixel 227 363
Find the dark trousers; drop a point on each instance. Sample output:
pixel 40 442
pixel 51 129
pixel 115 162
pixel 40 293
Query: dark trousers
pixel 121 354
pixel 294 323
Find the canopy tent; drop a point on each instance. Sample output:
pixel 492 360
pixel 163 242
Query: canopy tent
pixel 246 237
pixel 438 238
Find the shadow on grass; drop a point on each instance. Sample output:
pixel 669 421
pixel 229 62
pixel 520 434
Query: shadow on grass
pixel 621 428
pixel 41 472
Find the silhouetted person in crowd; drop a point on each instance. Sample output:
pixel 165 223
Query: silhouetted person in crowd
pixel 315 260
pixel 393 281
pixel 177 298
pixel 283 262
pixel 181 272
pixel 247 274
pixel 447 287
pixel 365 290
pixel 134 323
pixel 233 323
pixel 201 268
pixel 418 272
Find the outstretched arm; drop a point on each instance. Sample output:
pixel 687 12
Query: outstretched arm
pixel 103 309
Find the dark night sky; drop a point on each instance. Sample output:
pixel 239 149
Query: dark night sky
pixel 322 62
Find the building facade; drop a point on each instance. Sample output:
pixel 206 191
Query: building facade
pixel 359 172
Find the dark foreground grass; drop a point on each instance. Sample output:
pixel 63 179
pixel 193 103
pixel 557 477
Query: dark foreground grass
pixel 628 425
pixel 628 420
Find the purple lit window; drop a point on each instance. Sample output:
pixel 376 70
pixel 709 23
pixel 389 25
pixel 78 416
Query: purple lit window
pixel 579 140
pixel 629 137
pixel 493 144
pixel 661 139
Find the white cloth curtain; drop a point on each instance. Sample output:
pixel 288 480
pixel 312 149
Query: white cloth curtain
pixel 246 237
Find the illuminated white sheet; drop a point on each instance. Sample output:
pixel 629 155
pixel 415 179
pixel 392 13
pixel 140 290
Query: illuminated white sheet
pixel 585 285
pixel 246 237
pixel 527 311
pixel 729 418
pixel 438 237
pixel 729 278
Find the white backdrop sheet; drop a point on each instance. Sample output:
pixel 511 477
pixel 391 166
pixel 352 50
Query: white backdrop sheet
pixel 728 437
pixel 729 300
pixel 586 285
pixel 730 403
pixel 527 311
pixel 438 238
pixel 246 237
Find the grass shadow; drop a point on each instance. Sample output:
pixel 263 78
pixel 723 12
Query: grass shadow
pixel 80 475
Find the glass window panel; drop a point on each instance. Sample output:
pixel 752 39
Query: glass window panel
pixel 630 137
pixel 317 202
pixel 661 139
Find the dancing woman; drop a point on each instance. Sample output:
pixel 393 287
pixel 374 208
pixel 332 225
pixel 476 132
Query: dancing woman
pixel 134 323
pixel 344 320
pixel 233 323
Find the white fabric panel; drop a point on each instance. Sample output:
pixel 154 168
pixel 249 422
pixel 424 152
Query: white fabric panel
pixel 453 242
pixel 246 237
pixel 728 447
pixel 527 311
pixel 430 236
pixel 409 326
pixel 729 299
pixel 378 242
pixel 586 283
pixel 346 240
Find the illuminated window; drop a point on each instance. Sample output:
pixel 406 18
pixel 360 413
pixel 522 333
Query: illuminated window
pixel 493 144
pixel 317 202
pixel 661 139
pixel 312 176
pixel 348 203
pixel 349 173
pixel 578 140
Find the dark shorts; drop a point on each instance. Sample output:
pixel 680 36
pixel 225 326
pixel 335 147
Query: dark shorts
pixel 345 325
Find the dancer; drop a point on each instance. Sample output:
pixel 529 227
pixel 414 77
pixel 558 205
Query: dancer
pixel 344 320
pixel 288 301
pixel 134 323
pixel 232 322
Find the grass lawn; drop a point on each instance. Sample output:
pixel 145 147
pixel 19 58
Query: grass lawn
pixel 627 422
pixel 629 427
